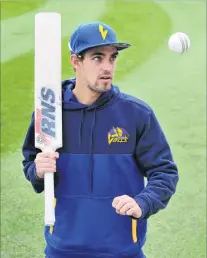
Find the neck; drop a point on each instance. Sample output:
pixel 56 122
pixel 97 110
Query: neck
pixel 83 94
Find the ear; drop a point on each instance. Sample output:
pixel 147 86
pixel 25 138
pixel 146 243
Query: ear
pixel 74 61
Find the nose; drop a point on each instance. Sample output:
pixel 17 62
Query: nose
pixel 107 66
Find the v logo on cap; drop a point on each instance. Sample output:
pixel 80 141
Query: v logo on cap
pixel 102 31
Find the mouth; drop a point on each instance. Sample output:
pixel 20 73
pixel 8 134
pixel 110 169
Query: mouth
pixel 106 78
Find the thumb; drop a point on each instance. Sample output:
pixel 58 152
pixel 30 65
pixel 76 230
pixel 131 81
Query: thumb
pixel 56 155
pixel 115 201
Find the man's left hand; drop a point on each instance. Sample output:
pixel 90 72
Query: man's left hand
pixel 126 205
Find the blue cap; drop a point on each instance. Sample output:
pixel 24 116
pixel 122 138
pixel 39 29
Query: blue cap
pixel 94 34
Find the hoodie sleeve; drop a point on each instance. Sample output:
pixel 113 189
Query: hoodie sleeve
pixel 29 153
pixel 155 160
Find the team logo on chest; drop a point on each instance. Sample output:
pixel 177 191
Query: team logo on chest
pixel 117 135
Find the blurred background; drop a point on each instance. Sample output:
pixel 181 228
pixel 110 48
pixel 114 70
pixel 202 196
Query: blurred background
pixel 173 85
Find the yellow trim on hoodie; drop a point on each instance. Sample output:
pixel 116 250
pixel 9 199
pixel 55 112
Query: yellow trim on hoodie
pixel 134 230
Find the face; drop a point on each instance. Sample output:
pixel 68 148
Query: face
pixel 97 68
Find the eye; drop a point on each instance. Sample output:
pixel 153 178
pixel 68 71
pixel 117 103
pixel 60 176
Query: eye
pixel 113 58
pixel 97 58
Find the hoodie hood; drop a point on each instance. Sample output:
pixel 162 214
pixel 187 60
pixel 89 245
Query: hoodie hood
pixel 71 103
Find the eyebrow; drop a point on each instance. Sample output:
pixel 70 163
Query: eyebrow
pixel 102 54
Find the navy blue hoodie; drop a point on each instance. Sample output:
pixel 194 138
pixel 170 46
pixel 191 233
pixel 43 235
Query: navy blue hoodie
pixel 108 149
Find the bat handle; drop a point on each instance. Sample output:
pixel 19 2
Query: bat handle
pixel 49 199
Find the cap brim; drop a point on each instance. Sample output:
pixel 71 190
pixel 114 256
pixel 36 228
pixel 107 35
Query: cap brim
pixel 119 45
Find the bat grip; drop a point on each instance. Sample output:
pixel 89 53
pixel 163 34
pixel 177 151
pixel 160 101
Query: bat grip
pixel 49 199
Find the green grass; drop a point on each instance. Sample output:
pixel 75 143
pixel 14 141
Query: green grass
pixel 14 8
pixel 173 85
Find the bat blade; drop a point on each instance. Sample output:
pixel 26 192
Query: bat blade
pixel 48 95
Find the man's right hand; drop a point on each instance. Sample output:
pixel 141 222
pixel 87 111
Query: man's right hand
pixel 45 162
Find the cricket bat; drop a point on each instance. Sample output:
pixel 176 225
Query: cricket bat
pixel 48 96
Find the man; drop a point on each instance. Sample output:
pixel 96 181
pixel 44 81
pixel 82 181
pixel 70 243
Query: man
pixel 111 141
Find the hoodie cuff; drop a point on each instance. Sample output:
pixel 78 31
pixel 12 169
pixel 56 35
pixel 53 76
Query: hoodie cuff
pixel 144 204
pixel 35 180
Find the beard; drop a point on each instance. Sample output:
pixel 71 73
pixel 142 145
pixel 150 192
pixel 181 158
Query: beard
pixel 100 87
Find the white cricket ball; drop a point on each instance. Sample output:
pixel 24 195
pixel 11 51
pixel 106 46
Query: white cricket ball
pixel 179 42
